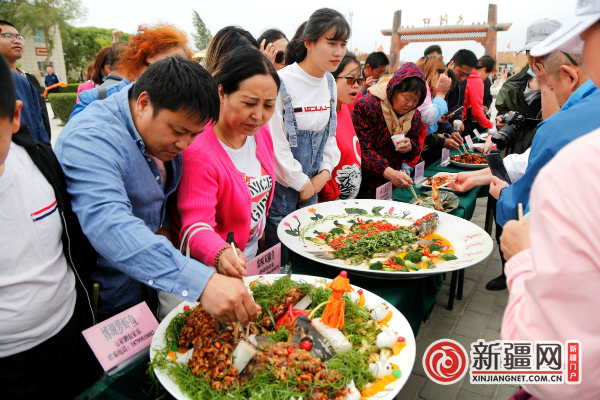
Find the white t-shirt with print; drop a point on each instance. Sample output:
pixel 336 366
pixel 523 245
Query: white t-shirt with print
pixel 259 182
pixel 37 286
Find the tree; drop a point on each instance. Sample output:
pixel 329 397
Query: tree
pixel 44 15
pixel 202 36
pixel 80 45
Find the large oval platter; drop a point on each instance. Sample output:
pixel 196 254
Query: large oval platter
pixel 471 243
pixel 405 360
pixel 468 166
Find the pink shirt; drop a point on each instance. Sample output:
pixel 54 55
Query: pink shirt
pixel 554 285
pixel 212 190
pixel 84 86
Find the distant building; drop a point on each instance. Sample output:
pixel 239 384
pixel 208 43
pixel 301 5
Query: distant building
pixel 509 59
pixel 34 56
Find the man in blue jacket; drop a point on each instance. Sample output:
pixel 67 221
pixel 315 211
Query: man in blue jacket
pixel 122 159
pixel 50 79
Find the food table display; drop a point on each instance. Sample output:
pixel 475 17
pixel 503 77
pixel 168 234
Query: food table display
pixel 315 338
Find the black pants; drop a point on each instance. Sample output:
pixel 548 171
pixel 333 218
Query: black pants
pixel 60 368
pixel 498 233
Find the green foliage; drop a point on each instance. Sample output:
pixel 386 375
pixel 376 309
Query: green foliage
pixel 62 104
pixel 45 15
pixel 71 88
pixel 81 45
pixel 201 34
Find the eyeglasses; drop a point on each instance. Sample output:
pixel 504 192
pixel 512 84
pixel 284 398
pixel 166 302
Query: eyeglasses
pixel 570 58
pixel 12 37
pixel 280 57
pixel 352 80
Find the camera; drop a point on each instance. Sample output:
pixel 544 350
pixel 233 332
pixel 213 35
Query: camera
pixel 514 122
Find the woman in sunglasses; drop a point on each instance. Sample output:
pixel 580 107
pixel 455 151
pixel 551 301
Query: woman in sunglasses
pixel 346 176
pixel 273 43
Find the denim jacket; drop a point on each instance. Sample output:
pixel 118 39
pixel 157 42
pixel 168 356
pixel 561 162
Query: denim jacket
pixel 118 195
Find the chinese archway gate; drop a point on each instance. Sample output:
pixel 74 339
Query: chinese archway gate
pixel 485 34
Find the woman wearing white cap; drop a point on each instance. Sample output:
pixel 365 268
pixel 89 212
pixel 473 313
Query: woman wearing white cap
pixel 549 300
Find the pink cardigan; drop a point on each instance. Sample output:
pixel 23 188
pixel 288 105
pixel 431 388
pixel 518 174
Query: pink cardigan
pixel 212 190
pixel 554 285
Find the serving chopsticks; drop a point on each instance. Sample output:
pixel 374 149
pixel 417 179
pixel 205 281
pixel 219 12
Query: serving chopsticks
pixel 238 326
pixel 521 213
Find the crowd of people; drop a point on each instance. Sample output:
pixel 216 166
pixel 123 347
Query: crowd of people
pixel 165 162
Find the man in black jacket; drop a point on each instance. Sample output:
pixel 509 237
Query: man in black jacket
pixel 44 305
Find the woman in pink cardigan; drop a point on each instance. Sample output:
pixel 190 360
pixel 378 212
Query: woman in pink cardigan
pixel 228 172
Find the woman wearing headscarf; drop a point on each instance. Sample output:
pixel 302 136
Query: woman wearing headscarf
pixel 389 129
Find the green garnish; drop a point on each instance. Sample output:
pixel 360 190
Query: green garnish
pixel 377 266
pixel 435 247
pixel 447 256
pixel 413 256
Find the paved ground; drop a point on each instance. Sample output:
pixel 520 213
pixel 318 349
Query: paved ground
pixel 55 124
pixel 477 315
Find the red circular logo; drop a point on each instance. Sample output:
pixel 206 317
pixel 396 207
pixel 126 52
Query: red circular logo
pixel 445 361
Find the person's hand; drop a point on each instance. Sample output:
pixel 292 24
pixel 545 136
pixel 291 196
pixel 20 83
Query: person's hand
pixel 445 118
pixel 462 127
pixel 229 265
pixel 539 68
pixel 398 178
pixel 462 182
pixel 405 146
pixel 499 123
pixel 487 146
pixel 443 85
pixel 319 181
pixel 496 185
pixel 307 192
pixel 269 50
pixel 228 300
pixel 164 231
pixel 451 144
pixel 116 35
pixel 504 74
pixel 368 82
pixel 457 137
pixel 514 239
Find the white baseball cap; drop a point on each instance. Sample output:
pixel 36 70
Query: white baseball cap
pixel 567 38
pixel 538 31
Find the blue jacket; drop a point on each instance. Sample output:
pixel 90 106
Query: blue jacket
pixel 118 195
pixel 577 117
pixel 31 113
pixel 87 96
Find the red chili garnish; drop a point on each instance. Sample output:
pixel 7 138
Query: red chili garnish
pixel 185 308
pixel 289 316
pixel 359 291
pixel 290 350
pixel 306 345
pixel 401 339
pixel 426 254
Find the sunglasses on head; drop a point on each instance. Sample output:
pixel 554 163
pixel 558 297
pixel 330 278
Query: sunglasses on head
pixel 351 80
pixel 280 57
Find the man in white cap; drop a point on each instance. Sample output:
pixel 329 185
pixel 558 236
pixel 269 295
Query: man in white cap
pixel 549 301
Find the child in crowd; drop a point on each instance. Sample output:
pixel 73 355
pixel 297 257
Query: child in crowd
pixel 43 303
pixel 304 124
pixel 345 180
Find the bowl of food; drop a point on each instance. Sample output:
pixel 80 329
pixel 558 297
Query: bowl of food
pixel 469 161
pixel 303 345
